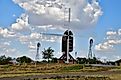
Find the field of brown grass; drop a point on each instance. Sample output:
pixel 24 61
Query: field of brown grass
pixel 43 69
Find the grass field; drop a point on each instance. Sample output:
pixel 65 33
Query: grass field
pixel 43 69
pixel 77 78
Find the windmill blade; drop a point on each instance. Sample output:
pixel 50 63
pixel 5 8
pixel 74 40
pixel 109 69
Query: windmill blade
pixel 52 34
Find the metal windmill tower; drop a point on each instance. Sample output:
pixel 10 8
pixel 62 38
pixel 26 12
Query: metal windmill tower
pixel 90 54
pixel 37 54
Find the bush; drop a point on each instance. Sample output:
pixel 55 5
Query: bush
pixel 75 67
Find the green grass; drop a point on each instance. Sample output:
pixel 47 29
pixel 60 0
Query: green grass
pixel 74 67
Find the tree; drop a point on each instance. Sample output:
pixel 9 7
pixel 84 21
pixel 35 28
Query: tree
pixel 5 60
pixel 48 53
pixel 54 60
pixel 82 60
pixel 24 59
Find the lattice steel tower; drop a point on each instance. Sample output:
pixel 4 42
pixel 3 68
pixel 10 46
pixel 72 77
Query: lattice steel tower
pixel 90 54
pixel 37 54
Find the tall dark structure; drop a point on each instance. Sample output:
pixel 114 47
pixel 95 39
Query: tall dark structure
pixel 90 54
pixel 67 35
pixel 37 54
pixel 67 46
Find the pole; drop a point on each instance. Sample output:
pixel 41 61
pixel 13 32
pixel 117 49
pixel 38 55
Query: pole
pixel 68 37
pixel 69 15
pixel 68 48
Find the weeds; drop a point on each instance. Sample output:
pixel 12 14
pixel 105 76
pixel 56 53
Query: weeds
pixel 73 78
pixel 40 69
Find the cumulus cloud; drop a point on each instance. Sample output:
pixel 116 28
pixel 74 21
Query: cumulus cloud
pixel 112 38
pixel 6 33
pixel 55 12
pixel 111 33
pixel 103 47
pixel 21 24
pixel 24 35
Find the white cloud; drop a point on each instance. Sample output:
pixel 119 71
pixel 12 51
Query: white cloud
pixel 113 39
pixel 111 33
pixel 114 42
pixel 51 12
pixel 104 47
pixel 119 31
pixel 35 35
pixel 32 46
pixel 21 24
pixel 24 39
pixel 14 15
pixel 6 33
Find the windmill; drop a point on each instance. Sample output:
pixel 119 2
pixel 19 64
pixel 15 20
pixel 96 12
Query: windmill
pixel 67 42
pixel 37 54
pixel 90 54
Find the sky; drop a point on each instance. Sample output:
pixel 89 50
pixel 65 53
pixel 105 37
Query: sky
pixel 22 21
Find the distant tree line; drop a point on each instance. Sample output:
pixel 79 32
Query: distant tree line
pixel 48 57
pixel 24 59
pixel 47 54
pixel 94 60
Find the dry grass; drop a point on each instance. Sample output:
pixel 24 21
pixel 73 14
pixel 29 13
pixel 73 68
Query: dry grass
pixel 41 69
pixel 76 78
pixel 115 77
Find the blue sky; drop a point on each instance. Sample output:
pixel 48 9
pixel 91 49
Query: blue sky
pixel 107 25
pixel 110 20
pixel 9 12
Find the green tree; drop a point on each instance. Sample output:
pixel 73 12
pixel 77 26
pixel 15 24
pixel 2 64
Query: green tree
pixel 81 60
pixel 5 60
pixel 48 53
pixel 54 60
pixel 24 59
